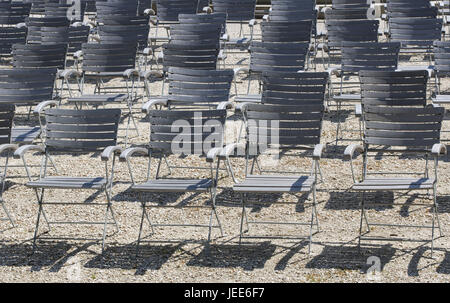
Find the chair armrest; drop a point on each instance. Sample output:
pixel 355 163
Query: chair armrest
pixel 10 147
pixel 225 37
pixel 230 148
pixel 150 12
pixel 130 73
pixel 21 151
pixel 129 152
pixel 148 105
pixel 20 25
pixel 238 70
pixel 225 105
pixel 241 107
pixel 39 109
pixel 358 110
pixel 147 51
pixel 252 23
pixel 207 10
pixel 213 154
pixel 333 71
pixel 265 18
pixel 78 54
pixel 318 151
pixel 69 73
pixel 110 151
pixel 151 73
pixel 96 38
pixel 351 149
pixel 439 149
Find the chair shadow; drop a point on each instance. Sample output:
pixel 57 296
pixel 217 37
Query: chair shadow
pixel 46 254
pixel 444 267
pixel 349 200
pixel 151 257
pixel 350 258
pixel 247 256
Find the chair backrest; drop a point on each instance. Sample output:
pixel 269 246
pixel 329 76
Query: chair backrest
pixel 63 9
pixel 356 13
pixel 352 31
pixel 415 31
pixel 116 7
pixel 413 12
pixel 208 19
pixel 35 25
pixel 349 4
pixel 272 56
pixel 299 31
pixel 441 52
pixel 81 130
pixel 394 88
pixel 26 86
pixel 77 36
pixel 168 10
pixel 13 12
pixel 10 36
pixel 412 127
pixel 6 121
pixel 400 4
pixel 186 132
pixel 125 29
pixel 105 57
pixel 39 55
pixel 55 35
pixel 358 56
pixel 287 120
pixel 286 5
pixel 194 88
pixel 236 10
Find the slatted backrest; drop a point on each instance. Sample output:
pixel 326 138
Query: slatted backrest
pixel 415 31
pixel 125 29
pixel 401 4
pixel 6 121
pixel 358 56
pixel 286 5
pixel 168 10
pixel 10 36
pixel 190 54
pixel 271 56
pixel 203 34
pixel 352 31
pixel 348 4
pixel 413 127
pixel 39 55
pixel 199 87
pixel 394 88
pixel 63 9
pixel 208 19
pixel 186 132
pixel 236 10
pixel 35 25
pixel 116 7
pixel 299 31
pixel 13 12
pixel 357 13
pixel 55 35
pixel 81 130
pixel 413 12
pixel 441 50
pixel 26 86
pixel 103 57
pixel 77 36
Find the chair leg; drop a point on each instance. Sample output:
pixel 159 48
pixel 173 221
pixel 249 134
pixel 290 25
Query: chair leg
pixel 7 213
pixel 361 221
pixel 38 220
pixel 140 229
pixel 242 219
pixel 312 219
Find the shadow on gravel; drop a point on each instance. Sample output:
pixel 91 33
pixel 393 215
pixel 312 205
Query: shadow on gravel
pixel 444 267
pixel 150 257
pixel 46 254
pixel 247 256
pixel 349 200
pixel 350 258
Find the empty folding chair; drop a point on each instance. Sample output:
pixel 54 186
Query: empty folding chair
pixel 238 12
pixel 441 52
pixel 10 36
pixel 394 127
pixel 272 56
pixel 180 132
pixel 75 132
pixel 289 120
pixel 357 56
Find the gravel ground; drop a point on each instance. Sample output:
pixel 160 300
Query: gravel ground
pixel 180 254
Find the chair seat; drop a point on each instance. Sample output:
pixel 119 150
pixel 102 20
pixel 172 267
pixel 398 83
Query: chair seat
pixel 99 98
pixel 248 98
pixel 174 185
pixel 275 184
pixel 395 184
pixel 69 183
pixel 24 135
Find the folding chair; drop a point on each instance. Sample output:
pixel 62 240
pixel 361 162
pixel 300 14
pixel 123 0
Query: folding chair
pixel 396 127
pixel 271 56
pixel 35 25
pixel 238 12
pixel 75 132
pixel 8 37
pixel 103 62
pixel 357 56
pixel 180 132
pixel 289 119
pixel 441 53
